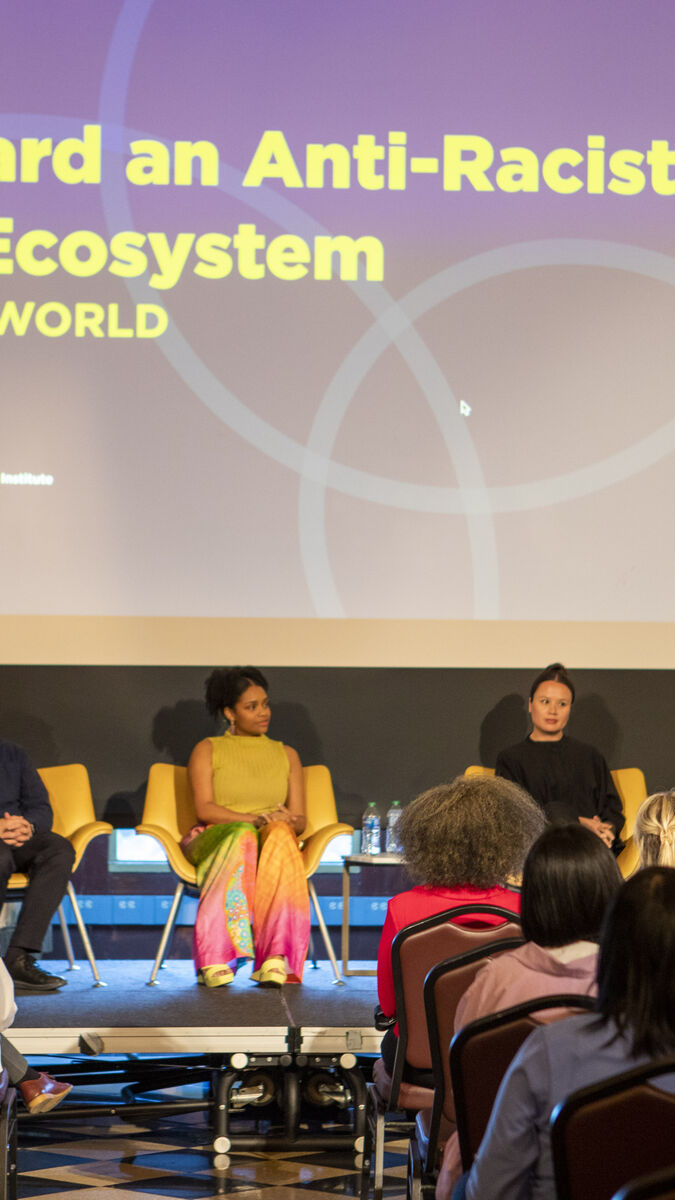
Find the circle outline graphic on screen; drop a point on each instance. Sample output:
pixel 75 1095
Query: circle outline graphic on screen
pixel 393 326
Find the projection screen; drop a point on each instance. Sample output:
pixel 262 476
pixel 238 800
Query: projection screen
pixel 337 332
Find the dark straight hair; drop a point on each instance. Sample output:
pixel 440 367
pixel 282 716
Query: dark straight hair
pixel 569 878
pixel 553 673
pixel 636 967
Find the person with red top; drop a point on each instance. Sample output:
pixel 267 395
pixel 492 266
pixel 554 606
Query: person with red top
pixel 465 843
pixel 569 879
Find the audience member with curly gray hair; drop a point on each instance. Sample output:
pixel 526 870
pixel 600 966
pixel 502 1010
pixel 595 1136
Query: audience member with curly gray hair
pixel 464 843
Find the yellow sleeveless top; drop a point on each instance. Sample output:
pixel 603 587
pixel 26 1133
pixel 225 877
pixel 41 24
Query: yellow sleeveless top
pixel 250 774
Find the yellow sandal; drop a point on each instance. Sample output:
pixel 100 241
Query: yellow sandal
pixel 215 976
pixel 272 973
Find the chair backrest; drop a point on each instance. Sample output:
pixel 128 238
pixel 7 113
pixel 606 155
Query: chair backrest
pixel 481 1051
pixel 168 800
pixel 659 1185
pixel 478 769
pixel 444 986
pixel 604 1135
pixel 320 807
pixel 632 788
pixel 70 797
pixel 418 948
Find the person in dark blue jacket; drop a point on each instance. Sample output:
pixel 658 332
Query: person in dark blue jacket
pixel 27 844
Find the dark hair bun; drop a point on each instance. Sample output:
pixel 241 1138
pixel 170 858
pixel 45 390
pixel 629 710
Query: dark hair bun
pixel 225 685
pixel 553 673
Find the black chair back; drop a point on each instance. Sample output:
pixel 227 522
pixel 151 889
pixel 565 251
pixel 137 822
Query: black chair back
pixel 658 1186
pixel 480 1054
pixel 444 986
pixel 609 1133
pixel 418 948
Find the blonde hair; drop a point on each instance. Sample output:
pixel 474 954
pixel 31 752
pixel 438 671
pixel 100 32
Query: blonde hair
pixel 655 830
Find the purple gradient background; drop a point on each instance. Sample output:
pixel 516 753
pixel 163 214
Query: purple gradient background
pixel 159 507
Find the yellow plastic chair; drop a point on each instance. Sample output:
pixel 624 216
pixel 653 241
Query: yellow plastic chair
pixel 74 818
pixel 321 827
pixel 632 788
pixel 169 813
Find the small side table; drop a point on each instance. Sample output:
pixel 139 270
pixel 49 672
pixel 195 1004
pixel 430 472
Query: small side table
pixel 359 860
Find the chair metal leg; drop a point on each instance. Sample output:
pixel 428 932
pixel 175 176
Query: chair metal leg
pixel 223 1085
pixel 368 1135
pixel 324 933
pixel 65 934
pixel 378 1156
pixel 85 936
pixel 413 1187
pixel 357 1086
pixel 168 930
pixel 8 1143
pixel 311 952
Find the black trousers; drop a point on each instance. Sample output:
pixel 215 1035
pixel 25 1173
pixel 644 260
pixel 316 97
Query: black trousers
pixel 410 1074
pixel 13 1061
pixel 47 859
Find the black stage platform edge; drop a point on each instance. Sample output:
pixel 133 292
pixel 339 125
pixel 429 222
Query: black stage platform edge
pixel 180 1017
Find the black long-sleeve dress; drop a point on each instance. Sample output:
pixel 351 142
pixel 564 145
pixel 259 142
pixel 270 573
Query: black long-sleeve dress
pixel 567 778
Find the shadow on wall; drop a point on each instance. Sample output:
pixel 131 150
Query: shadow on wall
pixel 590 721
pixel 292 724
pixel 26 730
pixel 124 809
pixel 503 726
pixel 177 728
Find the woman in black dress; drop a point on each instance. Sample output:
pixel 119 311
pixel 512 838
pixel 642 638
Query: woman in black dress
pixel 570 780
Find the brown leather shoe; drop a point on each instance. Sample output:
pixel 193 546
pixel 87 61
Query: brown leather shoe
pixel 42 1094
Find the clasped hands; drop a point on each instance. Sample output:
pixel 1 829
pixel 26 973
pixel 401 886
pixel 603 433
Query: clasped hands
pixel 603 829
pixel 14 830
pixel 280 813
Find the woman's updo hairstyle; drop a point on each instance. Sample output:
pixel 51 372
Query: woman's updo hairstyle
pixel 225 685
pixel 553 673
pixel 654 830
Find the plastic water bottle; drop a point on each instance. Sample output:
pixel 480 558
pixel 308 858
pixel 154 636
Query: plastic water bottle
pixel 370 830
pixel 392 842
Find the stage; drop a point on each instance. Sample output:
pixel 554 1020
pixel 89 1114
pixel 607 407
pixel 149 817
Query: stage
pixel 177 1016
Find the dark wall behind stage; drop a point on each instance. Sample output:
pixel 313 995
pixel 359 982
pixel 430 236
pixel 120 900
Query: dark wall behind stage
pixel 385 733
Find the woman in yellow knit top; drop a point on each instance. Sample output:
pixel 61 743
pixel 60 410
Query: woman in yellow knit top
pixel 249 796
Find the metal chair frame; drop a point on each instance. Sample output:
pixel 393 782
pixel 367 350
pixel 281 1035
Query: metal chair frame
pixel 172 780
pixel 380 1111
pixel 641 1119
pixel 60 782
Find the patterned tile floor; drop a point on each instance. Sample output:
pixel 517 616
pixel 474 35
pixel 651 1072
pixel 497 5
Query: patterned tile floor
pixel 172 1157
